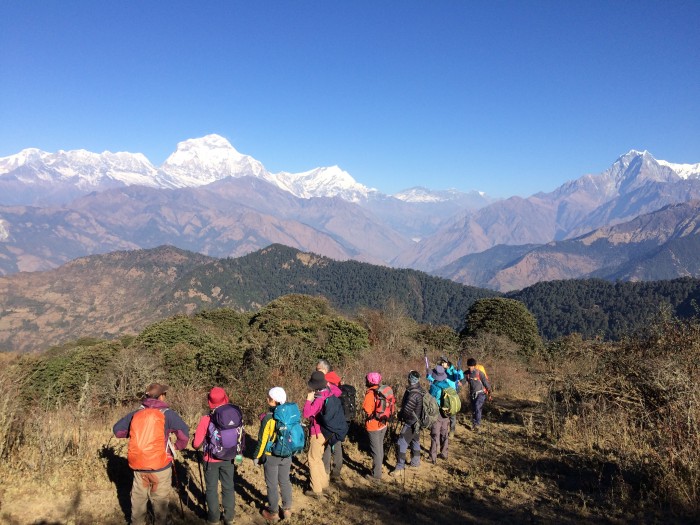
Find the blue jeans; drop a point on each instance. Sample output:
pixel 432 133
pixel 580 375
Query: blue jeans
pixel 215 471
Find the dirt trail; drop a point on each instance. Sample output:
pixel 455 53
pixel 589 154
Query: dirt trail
pixel 508 472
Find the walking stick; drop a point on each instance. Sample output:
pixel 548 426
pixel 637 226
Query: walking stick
pixel 201 481
pixel 177 482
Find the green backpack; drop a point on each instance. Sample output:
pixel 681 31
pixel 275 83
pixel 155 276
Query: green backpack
pixel 450 403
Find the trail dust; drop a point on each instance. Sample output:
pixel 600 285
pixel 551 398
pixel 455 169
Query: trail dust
pixel 507 472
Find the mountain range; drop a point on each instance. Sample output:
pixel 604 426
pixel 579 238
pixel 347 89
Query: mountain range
pixel 209 198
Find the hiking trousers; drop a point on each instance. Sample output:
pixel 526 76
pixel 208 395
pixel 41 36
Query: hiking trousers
pixel 477 405
pixel 215 472
pixel 337 452
pixel 439 437
pixel 151 485
pixel 317 472
pixel 277 475
pixel 376 448
pixel 410 435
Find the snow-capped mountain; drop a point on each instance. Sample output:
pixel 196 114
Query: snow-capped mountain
pixel 86 170
pixel 197 162
pixel 323 182
pixel 37 177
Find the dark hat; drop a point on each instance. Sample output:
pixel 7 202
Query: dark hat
pixel 317 381
pixel 443 359
pixel 439 373
pixel 155 390
pixel 471 362
pixel 217 397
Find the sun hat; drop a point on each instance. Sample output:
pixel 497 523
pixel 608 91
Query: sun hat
pixel 217 397
pixel 439 373
pixel 317 381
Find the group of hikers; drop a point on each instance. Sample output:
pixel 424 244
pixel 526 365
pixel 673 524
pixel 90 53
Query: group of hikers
pixel 330 408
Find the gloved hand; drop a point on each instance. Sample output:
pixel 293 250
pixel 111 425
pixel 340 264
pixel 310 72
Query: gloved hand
pixel 256 462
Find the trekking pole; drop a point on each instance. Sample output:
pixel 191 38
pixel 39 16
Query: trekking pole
pixel 201 481
pixel 425 356
pixel 177 483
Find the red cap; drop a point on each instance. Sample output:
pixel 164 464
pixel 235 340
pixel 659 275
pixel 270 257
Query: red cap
pixel 332 377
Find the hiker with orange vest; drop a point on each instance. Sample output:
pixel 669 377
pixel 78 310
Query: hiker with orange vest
pixel 150 452
pixel 377 409
pixel 479 388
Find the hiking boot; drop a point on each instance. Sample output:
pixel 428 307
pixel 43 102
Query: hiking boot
pixel 286 513
pixel 398 470
pixel 270 516
pixel 315 495
pixel 442 456
pixel 372 479
pixel 475 428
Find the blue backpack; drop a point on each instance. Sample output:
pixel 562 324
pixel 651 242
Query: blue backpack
pixel 225 432
pixel 290 437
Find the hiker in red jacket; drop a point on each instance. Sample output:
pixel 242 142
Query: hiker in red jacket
pixel 216 470
pixel 150 455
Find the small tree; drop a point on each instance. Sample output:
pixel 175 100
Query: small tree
pixel 506 317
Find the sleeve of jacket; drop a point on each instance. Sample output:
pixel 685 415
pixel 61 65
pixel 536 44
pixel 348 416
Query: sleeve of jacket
pixel 368 403
pixel 265 434
pixel 178 427
pixel 121 427
pixel 201 432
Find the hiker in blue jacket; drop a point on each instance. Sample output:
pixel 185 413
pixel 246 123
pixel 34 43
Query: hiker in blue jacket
pixel 440 431
pixel 455 375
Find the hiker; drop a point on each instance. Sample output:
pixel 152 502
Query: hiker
pixel 150 453
pixel 221 434
pixel 376 428
pixel 315 399
pixel 479 387
pixel 456 376
pixel 439 432
pixel 276 464
pixel 409 416
pixel 336 451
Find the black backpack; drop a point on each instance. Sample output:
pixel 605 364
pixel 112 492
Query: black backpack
pixel 332 421
pixel 348 398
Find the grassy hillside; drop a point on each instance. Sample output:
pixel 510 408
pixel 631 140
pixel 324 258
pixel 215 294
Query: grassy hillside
pixel 596 432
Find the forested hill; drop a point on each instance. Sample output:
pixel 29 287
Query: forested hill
pixel 611 310
pixel 254 280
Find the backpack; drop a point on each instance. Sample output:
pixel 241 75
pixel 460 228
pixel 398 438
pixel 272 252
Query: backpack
pixel 450 403
pixel 430 411
pixel 348 398
pixel 476 385
pixel 384 403
pixel 332 421
pixel 290 437
pixel 225 432
pixel 147 447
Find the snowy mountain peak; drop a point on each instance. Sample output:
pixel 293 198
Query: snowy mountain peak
pixel 323 182
pixel 207 159
pixel 684 171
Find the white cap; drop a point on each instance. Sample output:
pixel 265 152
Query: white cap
pixel 278 394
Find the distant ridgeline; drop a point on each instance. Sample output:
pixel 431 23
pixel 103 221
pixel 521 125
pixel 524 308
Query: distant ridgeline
pixel 107 296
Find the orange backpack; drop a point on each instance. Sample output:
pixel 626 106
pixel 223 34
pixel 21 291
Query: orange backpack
pixel 147 446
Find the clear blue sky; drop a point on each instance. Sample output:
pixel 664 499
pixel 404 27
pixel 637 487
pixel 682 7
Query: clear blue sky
pixel 507 97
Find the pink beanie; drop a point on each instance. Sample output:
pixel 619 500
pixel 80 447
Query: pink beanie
pixel 374 378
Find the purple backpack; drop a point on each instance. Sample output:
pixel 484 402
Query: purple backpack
pixel 225 432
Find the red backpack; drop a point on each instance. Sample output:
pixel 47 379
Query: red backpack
pixel 384 403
